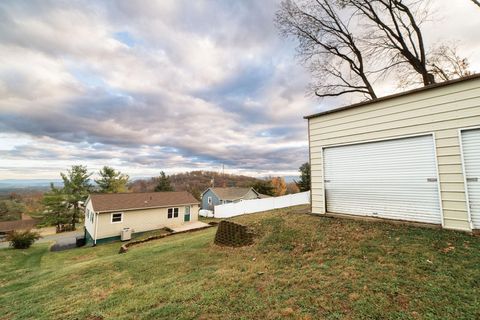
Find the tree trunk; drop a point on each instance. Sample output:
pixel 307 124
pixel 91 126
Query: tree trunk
pixel 74 216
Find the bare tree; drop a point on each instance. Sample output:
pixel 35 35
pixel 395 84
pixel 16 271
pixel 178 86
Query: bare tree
pixel 443 61
pixel 446 64
pixel 327 46
pixel 349 44
pixel 394 32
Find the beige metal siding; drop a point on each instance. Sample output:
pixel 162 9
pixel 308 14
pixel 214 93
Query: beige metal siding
pixel 142 220
pixel 441 111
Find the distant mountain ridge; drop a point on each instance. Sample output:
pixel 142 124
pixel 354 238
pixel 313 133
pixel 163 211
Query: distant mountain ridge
pixel 195 182
pixel 27 183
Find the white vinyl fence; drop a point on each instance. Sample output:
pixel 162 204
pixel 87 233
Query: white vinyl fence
pixel 258 205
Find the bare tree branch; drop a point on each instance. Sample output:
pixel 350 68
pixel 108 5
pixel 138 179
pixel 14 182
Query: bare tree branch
pixel 396 31
pixel 348 45
pixel 476 2
pixel 446 64
pixel 327 47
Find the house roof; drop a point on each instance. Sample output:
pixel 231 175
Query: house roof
pixel 107 202
pixel 396 95
pixel 231 193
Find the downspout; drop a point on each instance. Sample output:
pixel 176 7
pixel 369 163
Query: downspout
pixel 96 228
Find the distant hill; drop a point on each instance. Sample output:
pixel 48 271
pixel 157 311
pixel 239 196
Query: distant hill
pixel 195 182
pixel 28 183
pixel 26 186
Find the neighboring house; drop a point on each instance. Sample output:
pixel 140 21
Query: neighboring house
pixel 107 214
pixel 25 224
pixel 215 196
pixel 411 156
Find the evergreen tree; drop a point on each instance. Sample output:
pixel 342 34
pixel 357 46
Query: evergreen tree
pixel 112 181
pixel 163 183
pixel 76 187
pixel 304 182
pixel 264 187
pixel 57 209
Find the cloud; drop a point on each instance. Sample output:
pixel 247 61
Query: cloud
pixel 171 85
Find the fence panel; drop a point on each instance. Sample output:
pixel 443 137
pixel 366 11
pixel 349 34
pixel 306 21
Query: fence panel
pixel 258 205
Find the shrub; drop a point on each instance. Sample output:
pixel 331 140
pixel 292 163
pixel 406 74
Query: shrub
pixel 22 239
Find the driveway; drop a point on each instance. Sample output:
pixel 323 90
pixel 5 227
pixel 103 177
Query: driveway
pixel 61 238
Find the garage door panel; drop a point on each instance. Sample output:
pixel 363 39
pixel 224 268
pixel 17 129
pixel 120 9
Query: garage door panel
pixel 395 179
pixel 471 156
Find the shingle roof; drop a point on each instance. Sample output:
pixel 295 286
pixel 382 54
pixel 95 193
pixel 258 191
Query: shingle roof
pixel 230 193
pixel 106 202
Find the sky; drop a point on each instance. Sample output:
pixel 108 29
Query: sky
pixel 176 85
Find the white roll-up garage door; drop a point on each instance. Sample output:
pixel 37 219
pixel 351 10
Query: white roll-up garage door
pixel 471 157
pixel 394 179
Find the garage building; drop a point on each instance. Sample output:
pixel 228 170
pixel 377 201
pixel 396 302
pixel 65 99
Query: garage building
pixel 413 156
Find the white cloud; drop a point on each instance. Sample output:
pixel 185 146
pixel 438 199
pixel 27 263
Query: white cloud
pixel 196 85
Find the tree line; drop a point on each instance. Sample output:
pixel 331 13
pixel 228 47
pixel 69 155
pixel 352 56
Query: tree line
pixel 62 204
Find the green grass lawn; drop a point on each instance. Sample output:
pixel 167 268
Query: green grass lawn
pixel 301 267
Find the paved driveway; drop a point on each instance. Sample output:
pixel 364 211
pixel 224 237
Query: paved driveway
pixel 63 238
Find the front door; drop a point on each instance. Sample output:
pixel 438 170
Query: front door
pixel 187 214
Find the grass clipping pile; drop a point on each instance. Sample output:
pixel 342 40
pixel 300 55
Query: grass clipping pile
pixel 233 234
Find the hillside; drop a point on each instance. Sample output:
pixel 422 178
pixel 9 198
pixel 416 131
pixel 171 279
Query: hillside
pixel 300 267
pixel 195 182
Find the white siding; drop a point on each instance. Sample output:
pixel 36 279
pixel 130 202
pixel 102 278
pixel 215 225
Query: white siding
pixel 89 225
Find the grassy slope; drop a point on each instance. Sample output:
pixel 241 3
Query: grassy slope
pixel 302 267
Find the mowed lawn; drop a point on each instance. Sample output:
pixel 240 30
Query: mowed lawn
pixel 301 267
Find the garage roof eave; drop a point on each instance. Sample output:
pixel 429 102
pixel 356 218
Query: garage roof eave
pixel 396 95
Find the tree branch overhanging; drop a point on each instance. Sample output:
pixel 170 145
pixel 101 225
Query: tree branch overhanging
pixel 327 47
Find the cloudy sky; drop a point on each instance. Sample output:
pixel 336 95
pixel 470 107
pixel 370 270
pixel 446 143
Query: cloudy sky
pixel 173 85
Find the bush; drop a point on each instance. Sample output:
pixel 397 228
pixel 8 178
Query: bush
pixel 22 239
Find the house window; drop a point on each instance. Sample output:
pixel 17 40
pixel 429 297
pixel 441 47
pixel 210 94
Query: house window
pixel 172 213
pixel 91 216
pixel 209 200
pixel 117 217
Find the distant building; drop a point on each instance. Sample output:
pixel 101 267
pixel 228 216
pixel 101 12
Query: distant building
pixel 215 196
